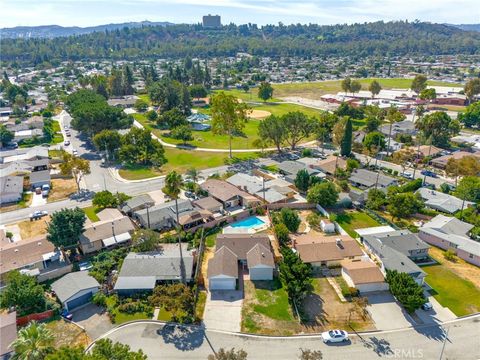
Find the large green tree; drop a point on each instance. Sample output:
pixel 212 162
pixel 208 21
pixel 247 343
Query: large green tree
pixel 139 147
pixel 346 143
pixel 75 167
pixel 109 141
pixel 22 292
pixel 324 194
pixel 419 83
pixel 439 126
pixel 290 218
pixel 374 88
pixel 228 116
pixel 406 290
pixel 295 276
pixel 65 227
pixel 265 91
pixel 6 136
pixel 272 130
pixel 404 205
pixel 471 117
pixel 297 127
pixel 472 88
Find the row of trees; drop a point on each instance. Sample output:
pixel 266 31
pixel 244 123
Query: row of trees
pixel 118 83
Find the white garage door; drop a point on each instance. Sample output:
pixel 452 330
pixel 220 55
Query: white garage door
pixel 222 283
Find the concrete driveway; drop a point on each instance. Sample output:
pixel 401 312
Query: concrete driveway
pixel 437 315
pixel 37 200
pixel 94 319
pixel 223 310
pixel 387 313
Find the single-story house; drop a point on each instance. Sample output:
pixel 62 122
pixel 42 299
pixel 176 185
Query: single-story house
pixel 210 204
pixel 34 153
pixel 449 233
pixel 29 255
pixel 125 102
pixel 229 195
pixel 401 127
pixel 441 162
pixel 327 226
pixel 142 271
pixel 365 179
pixel 364 276
pixel 75 289
pixel 291 168
pixel 330 164
pixel 251 251
pixel 424 151
pixel 270 190
pixel 11 189
pixel 39 178
pixel 162 216
pixel 137 203
pixel 327 250
pixel 442 202
pixel 27 134
pixel 8 331
pixel 113 229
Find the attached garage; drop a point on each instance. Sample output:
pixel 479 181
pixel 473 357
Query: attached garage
pixel 372 287
pixel 260 263
pixel 261 273
pixel 222 282
pixel 75 289
pixel 363 275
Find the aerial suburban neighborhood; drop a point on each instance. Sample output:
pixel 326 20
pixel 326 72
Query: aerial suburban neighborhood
pixel 213 191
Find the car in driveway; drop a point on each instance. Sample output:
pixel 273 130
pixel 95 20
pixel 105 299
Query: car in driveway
pixel 45 190
pixel 38 214
pixel 334 336
pixel 427 306
pixel 66 143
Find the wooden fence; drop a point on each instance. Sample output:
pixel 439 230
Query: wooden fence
pixel 37 317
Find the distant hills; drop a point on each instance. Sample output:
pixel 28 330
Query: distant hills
pixel 53 31
pixel 467 27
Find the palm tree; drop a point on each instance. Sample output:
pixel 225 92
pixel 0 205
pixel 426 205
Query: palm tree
pixel 33 342
pixel 193 173
pixel 173 183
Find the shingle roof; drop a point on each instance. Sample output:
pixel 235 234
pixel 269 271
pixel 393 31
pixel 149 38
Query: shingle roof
pixel 401 240
pixel 240 244
pixel 246 182
pixel 165 211
pixel 224 262
pixel 318 248
pixel 443 202
pixel 11 185
pixel 72 283
pixel 368 178
pixel 104 229
pixel 39 176
pixel 207 203
pixel 260 255
pixel 137 202
pixel 449 225
pixel 222 190
pixel 363 272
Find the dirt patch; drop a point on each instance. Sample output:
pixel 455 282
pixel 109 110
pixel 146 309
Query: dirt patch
pixel 29 229
pixel 459 267
pixel 62 189
pixel 68 334
pixel 258 114
pixel 207 255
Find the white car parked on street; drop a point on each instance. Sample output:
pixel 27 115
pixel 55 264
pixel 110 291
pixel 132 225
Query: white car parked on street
pixel 334 336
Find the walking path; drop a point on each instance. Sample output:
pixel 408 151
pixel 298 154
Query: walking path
pixel 337 289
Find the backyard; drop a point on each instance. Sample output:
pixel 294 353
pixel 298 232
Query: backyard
pixel 266 310
pixel 452 291
pixel 350 220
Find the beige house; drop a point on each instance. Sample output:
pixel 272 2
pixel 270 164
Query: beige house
pixel 363 275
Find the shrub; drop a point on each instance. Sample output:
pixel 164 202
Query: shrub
pixel 99 299
pixel 282 233
pixel 307 153
pixel 313 220
pixel 290 218
pixel 450 255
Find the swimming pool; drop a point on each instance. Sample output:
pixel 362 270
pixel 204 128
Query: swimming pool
pixel 250 222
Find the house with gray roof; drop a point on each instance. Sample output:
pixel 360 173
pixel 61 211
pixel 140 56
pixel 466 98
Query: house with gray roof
pixel 291 168
pixel 11 189
pixel 164 216
pixel 365 179
pixel 269 190
pixel 449 233
pixel 142 271
pixel 75 289
pixel 137 203
pixel 442 202
pixel 402 127
pixel 39 178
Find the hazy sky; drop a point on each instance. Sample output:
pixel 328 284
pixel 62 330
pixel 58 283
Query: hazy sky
pixel 96 12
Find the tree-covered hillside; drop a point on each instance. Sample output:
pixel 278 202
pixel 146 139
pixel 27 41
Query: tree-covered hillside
pixel 379 38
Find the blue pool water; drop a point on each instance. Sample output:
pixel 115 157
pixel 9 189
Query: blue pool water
pixel 250 222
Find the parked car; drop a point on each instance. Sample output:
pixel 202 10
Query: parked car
pixel 334 336
pixel 45 190
pixel 190 195
pixel 429 173
pixel 38 190
pixel 75 152
pixel 38 214
pixel 427 306
pixel 66 142
pixel 87 265
pixel 67 314
pixel 407 175
pixel 12 145
pixel 68 133
pixel 293 157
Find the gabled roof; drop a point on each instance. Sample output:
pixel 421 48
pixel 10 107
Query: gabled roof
pixel 246 182
pixel 240 244
pixel 224 262
pixel 207 203
pixel 449 225
pixel 368 178
pixel 260 255
pixel 137 202
pixel 222 190
pixel 326 248
pixel 403 241
pixel 165 211
pixel 101 230
pixel 293 167
pixel 363 272
pixel 72 283
pixel 443 202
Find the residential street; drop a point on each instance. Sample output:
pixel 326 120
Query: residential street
pixel 426 342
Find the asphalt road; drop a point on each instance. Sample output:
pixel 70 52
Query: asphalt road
pixel 173 342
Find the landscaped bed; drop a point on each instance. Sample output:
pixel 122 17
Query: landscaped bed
pixel 450 290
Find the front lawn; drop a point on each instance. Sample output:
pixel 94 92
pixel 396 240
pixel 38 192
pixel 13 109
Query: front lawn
pixel 61 189
pixel 91 213
pixel 200 307
pixel 164 315
pixel 119 317
pixel 459 295
pixel 351 220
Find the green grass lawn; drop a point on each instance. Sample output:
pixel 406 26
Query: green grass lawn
pixel 91 213
pixel 352 220
pixel 200 308
pixel 164 315
pixel 145 97
pixel 273 299
pixel 458 294
pixel 314 90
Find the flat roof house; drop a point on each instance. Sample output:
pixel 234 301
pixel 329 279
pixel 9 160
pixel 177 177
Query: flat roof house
pixel 210 204
pixel 75 289
pixel 112 229
pixel 142 271
pixel 449 233
pixel 327 250
pixel 253 252
pixel 11 189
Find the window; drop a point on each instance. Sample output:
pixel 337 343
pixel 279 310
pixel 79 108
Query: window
pixel 470 256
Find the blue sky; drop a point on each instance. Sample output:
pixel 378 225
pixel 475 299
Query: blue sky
pixel 96 12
